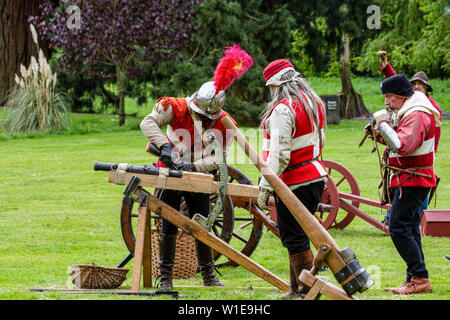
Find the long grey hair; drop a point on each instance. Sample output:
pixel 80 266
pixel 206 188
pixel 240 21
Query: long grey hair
pixel 290 88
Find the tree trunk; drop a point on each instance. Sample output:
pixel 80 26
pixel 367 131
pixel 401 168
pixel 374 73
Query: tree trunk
pixel 121 86
pixel 16 44
pixel 352 104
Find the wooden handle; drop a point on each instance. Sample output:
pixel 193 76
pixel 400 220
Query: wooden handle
pixel 315 231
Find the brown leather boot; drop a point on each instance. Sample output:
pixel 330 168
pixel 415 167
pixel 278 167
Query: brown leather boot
pixel 293 290
pixel 298 262
pixel 167 246
pixel 206 264
pixel 417 285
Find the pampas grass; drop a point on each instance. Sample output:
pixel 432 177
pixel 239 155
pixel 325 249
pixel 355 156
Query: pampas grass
pixel 35 104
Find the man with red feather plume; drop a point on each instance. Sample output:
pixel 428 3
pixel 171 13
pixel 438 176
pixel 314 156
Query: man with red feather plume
pixel 190 121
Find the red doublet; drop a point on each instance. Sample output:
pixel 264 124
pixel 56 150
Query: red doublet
pixel 182 119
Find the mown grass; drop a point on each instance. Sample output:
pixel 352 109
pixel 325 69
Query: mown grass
pixel 55 210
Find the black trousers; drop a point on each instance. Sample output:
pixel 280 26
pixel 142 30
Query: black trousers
pixel 293 238
pixel 404 227
pixel 196 203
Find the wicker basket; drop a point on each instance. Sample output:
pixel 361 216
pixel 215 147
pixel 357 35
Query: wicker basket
pixel 185 265
pixel 92 276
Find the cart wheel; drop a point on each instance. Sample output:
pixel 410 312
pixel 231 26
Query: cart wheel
pixel 244 240
pixel 344 182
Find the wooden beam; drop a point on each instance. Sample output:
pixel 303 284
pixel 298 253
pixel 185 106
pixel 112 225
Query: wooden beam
pixel 353 197
pixel 197 231
pixel 147 259
pixel 319 286
pixel 139 254
pixel 106 291
pixel 366 217
pixel 191 182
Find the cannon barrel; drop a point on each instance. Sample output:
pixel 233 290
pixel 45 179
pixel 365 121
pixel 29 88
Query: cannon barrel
pixel 151 169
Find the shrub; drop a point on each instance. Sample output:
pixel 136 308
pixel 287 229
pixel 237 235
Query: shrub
pixel 34 104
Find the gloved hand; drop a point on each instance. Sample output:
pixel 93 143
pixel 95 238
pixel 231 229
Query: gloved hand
pixel 152 148
pixel 382 115
pixel 263 197
pixel 382 56
pixel 368 129
pixel 189 167
pixel 166 155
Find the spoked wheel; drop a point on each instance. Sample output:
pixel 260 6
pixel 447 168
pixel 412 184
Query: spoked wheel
pixel 344 182
pixel 245 240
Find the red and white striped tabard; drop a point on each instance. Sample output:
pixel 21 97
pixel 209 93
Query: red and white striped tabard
pixel 420 160
pixel 305 146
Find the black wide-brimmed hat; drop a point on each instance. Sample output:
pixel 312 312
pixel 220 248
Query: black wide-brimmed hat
pixel 398 85
pixel 422 77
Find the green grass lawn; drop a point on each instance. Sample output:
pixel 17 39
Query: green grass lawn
pixel 55 210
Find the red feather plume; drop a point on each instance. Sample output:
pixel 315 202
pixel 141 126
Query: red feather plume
pixel 232 66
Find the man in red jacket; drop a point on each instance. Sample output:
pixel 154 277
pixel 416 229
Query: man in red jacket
pixel 410 141
pixel 419 83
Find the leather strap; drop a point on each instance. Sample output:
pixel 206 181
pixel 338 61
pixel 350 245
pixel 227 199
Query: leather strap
pixel 120 173
pixel 163 174
pixel 300 165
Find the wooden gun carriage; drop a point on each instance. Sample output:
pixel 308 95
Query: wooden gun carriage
pixel 237 191
pixel 339 206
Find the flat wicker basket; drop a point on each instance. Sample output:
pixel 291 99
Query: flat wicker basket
pixel 92 276
pixel 185 265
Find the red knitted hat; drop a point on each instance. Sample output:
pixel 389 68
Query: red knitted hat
pixel 276 66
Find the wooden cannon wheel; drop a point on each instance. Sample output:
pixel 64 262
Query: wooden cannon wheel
pixel 345 182
pixel 244 240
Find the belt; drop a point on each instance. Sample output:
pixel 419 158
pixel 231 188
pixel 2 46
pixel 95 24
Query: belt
pixel 411 171
pixel 300 165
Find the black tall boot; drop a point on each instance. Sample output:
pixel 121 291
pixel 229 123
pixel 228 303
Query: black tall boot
pixel 167 245
pixel 206 264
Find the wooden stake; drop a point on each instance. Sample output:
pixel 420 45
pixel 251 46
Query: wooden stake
pixel 147 263
pixel 197 231
pixel 142 256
